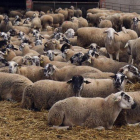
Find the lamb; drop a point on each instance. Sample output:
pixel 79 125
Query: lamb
pixel 51 94
pixel 133 49
pixel 65 73
pixel 96 113
pixel 34 73
pixel 12 86
pixel 114 44
pixel 88 35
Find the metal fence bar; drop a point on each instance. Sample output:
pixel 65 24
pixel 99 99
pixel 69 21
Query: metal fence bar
pixel 122 7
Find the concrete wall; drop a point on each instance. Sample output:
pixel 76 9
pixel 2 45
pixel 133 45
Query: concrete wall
pixel 123 5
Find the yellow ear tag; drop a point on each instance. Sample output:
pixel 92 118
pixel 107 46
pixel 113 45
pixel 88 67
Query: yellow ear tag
pixel 41 61
pixel 19 66
pixel 89 60
pixel 3 47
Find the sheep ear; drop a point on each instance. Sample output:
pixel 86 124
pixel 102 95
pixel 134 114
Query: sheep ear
pixel 70 81
pixel 121 70
pixel 19 65
pixel 116 33
pixel 39 56
pixel 113 76
pixel 55 53
pixel 87 82
pixel 118 99
pixel 96 55
pixel 105 31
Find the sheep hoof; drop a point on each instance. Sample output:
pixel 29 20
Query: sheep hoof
pixel 60 127
pixel 100 128
pixel 133 125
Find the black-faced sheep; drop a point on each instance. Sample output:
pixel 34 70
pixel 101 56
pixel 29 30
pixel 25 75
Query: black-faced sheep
pixel 42 95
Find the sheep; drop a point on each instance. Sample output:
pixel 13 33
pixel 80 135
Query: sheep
pixel 5 25
pixel 105 24
pixel 114 43
pixel 1 18
pixel 105 86
pixel 24 48
pixel 54 73
pixel 52 45
pixel 69 24
pixel 34 73
pixel 67 54
pixel 116 20
pixel 131 72
pixel 88 35
pixel 57 18
pixel 44 60
pixel 95 18
pixel 12 86
pixel 82 22
pixel 46 20
pixel 29 14
pixel 102 75
pixel 136 26
pixel 26 30
pixel 96 112
pixel 70 13
pixel 36 23
pixel 9 54
pixel 105 64
pixel 133 50
pixel 64 12
pixel 32 100
pixel 15 13
pixel 77 12
pixel 18 60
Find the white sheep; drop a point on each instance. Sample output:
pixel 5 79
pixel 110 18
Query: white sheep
pixel 96 113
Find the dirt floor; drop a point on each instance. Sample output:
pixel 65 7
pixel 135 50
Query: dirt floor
pixel 21 124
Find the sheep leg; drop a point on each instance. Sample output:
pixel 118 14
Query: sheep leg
pixel 130 59
pixel 60 127
pixel 117 56
pixel 111 56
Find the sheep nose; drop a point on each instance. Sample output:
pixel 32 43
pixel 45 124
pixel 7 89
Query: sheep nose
pixel 134 105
